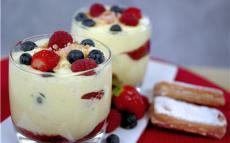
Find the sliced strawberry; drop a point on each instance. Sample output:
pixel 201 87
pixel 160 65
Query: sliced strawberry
pixel 96 9
pixel 59 40
pixel 113 120
pixel 83 65
pixel 140 52
pixel 128 99
pixel 135 11
pixel 93 95
pixel 45 60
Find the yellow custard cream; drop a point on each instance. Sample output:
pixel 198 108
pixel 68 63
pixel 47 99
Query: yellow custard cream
pixel 63 104
pixel 129 44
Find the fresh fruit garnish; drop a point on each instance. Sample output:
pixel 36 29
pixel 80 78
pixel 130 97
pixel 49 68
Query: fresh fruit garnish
pixel 115 28
pixel 59 40
pixel 128 120
pixel 83 65
pixel 112 139
pixel 93 95
pixel 27 46
pixel 25 59
pixel 146 102
pixel 129 19
pixel 80 16
pixel 113 120
pixel 89 22
pixel 75 55
pixel 135 11
pixel 96 9
pixel 88 42
pixel 45 60
pixel 116 9
pixel 140 52
pixel 97 56
pixel 127 98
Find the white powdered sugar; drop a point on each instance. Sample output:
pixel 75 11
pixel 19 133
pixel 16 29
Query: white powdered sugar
pixel 188 112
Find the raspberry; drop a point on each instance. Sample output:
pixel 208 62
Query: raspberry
pixel 114 120
pixel 45 60
pixel 135 11
pixel 96 9
pixel 129 19
pixel 60 39
pixel 83 65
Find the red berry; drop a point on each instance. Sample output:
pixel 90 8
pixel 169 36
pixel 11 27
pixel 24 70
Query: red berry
pixel 83 65
pixel 146 102
pixel 129 19
pixel 140 52
pixel 93 95
pixel 45 60
pixel 96 9
pixel 135 11
pixel 114 120
pixel 60 39
pixel 128 99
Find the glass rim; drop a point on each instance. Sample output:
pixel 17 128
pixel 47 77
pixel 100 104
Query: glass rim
pixel 37 72
pixel 85 9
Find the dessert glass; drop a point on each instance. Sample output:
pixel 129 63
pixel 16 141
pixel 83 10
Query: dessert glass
pixel 48 107
pixel 128 66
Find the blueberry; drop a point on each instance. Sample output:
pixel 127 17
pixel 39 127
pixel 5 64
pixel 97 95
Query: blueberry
pixel 97 55
pixel 25 59
pixel 47 74
pixel 88 42
pixel 116 9
pixel 80 16
pixel 89 22
pixel 39 97
pixel 112 139
pixel 128 120
pixel 75 55
pixel 116 28
pixel 28 46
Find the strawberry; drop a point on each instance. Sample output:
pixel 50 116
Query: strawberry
pixel 114 120
pixel 83 65
pixel 94 95
pixel 140 52
pixel 45 60
pixel 129 19
pixel 146 102
pixel 96 9
pixel 135 11
pixel 59 40
pixel 128 99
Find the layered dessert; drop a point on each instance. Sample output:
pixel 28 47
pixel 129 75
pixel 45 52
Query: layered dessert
pixel 60 88
pixel 125 30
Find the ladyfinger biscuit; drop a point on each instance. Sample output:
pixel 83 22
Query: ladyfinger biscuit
pixel 174 114
pixel 190 93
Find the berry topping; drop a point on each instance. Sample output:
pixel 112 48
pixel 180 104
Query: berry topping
pixel 112 139
pixel 80 16
pixel 135 11
pixel 128 120
pixel 59 40
pixel 89 22
pixel 116 9
pixel 140 52
pixel 83 65
pixel 127 98
pixel 45 60
pixel 129 19
pixel 75 55
pixel 27 46
pixel 97 55
pixel 93 95
pixel 88 42
pixel 116 28
pixel 114 120
pixel 96 9
pixel 146 102
pixel 25 59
